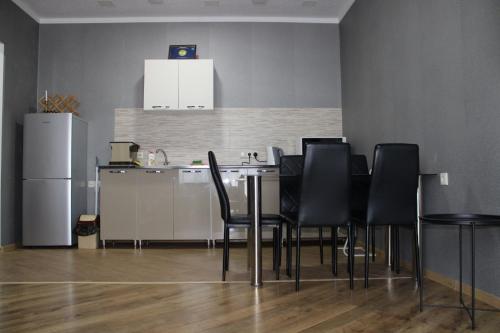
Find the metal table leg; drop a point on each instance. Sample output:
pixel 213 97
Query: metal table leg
pixel 420 265
pixel 254 194
pixel 473 273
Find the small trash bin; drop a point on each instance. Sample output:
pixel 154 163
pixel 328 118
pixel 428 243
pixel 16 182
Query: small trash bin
pixel 87 229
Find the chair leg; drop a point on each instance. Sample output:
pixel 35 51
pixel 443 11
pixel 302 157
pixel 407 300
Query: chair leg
pixel 334 250
pixel 226 244
pixel 274 249
pixel 417 254
pixel 397 252
pixel 373 244
pixel 280 243
pixel 276 245
pixel 224 254
pixel 350 237
pixel 393 248
pixel 289 250
pixel 321 244
pixel 297 261
pixel 367 254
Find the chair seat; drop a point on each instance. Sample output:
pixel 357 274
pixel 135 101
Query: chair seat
pixel 244 221
pixel 358 216
pixel 290 217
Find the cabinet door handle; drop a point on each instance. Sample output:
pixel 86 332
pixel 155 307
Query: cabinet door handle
pixel 234 171
pixel 118 171
pixel 191 171
pixel 191 106
pixel 155 171
pixel 156 106
pixel 265 171
pixel 201 106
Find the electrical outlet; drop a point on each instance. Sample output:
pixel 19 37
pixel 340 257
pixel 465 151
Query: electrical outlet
pixel 443 178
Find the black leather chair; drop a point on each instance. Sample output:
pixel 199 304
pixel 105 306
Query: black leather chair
pixel 239 221
pixel 392 196
pixel 290 180
pixel 325 195
pixel 360 189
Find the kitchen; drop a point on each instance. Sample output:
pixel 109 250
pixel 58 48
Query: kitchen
pixel 153 86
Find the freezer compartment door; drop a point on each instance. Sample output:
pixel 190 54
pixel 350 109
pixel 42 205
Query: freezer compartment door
pixel 47 146
pixel 47 212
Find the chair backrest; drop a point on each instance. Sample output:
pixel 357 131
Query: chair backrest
pixel 225 209
pixel 359 165
pixel 360 185
pixel 326 185
pixel 393 190
pixel 290 180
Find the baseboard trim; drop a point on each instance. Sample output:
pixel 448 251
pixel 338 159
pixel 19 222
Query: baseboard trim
pixel 8 247
pixel 451 283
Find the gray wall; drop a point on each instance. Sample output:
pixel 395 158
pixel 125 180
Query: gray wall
pixel 428 72
pixel 257 65
pixel 19 33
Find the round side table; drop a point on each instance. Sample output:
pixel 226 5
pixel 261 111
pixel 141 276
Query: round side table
pixel 460 221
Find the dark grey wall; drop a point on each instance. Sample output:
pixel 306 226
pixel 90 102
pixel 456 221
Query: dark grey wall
pixel 428 72
pixel 257 65
pixel 19 33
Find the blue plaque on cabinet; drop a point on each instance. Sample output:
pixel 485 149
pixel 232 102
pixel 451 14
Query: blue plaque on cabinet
pixel 182 52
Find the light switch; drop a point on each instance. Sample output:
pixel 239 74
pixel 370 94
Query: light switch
pixel 443 178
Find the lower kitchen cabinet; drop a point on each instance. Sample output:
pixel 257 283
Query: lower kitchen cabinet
pixel 192 218
pixel 176 204
pixel 118 204
pixel 155 197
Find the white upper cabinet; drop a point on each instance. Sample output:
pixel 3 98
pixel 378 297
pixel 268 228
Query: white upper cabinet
pixel 161 85
pixel 196 84
pixel 179 84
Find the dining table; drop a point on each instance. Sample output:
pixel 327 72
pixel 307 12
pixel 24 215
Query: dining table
pixel 254 186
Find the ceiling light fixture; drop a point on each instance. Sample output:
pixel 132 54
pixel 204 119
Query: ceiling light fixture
pixel 309 3
pixel 106 3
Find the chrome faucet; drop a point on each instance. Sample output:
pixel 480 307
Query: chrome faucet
pixel 165 159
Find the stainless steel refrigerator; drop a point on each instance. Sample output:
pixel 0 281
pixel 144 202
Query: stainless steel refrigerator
pixel 54 178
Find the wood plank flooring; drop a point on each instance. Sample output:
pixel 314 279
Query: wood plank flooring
pixel 178 290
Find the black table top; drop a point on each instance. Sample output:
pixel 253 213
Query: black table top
pixel 461 219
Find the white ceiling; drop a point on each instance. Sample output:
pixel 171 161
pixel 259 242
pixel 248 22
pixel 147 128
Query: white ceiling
pixel 89 11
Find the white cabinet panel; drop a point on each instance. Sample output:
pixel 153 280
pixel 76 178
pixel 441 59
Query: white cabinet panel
pixel 196 84
pixel 118 204
pixel 192 218
pixel 155 196
pixel 161 85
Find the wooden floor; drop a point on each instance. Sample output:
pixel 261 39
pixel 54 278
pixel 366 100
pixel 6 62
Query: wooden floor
pixel 179 290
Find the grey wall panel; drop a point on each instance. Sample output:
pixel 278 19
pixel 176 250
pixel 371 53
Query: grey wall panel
pixel 428 72
pixel 19 33
pixel 256 65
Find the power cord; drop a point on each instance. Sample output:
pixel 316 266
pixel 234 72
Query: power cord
pixel 255 155
pixel 249 159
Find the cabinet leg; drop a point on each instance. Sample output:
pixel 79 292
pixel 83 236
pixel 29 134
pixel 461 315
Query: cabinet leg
pixel 103 244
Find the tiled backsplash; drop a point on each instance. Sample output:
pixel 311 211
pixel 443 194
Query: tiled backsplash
pixel 189 135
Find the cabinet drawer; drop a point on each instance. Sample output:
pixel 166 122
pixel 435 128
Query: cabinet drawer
pixel 118 205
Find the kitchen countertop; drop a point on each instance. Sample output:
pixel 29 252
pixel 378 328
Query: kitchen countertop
pixel 188 166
